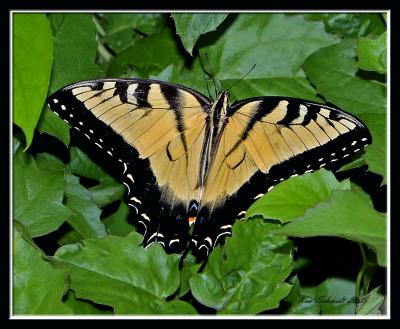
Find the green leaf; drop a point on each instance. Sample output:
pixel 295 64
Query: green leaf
pixel 69 237
pixel 349 215
pixel 118 272
pixel 375 154
pixel 333 296
pixel 365 98
pixel 32 59
pixel 143 58
pixel 145 23
pixel 107 192
pixel 75 45
pixel 301 262
pixel 368 270
pixel 333 71
pixel 38 196
pixel 86 202
pixel 356 163
pixel 82 306
pixel 276 43
pixel 299 301
pixel 191 26
pixel 165 75
pixel 350 24
pixel 118 223
pixel 371 303
pixel 291 198
pixel 80 164
pixel 38 284
pixel 193 77
pixel 288 87
pixel 247 275
pixel 86 214
pixel 336 296
pixel 48 161
pixel 371 54
pixel 246 40
pixel 16 143
pixel 190 266
pixel 121 30
pixel 51 124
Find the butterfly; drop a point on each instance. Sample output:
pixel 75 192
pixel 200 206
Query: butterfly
pixel 193 164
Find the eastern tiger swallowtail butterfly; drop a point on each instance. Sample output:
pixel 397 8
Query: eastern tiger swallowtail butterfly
pixel 185 159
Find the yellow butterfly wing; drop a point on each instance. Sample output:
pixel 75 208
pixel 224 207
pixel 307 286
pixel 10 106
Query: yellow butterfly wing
pixel 163 122
pixel 280 137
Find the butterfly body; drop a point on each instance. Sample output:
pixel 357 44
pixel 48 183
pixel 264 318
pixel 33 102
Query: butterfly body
pixel 187 160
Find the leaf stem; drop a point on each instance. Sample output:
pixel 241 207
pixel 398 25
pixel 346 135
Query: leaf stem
pixel 103 52
pixel 360 274
pixel 99 29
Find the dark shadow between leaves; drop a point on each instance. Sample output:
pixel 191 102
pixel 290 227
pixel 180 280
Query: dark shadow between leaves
pixel 370 75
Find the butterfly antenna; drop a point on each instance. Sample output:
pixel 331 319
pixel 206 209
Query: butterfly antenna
pixel 214 83
pixel 241 78
pixel 208 89
pixel 206 68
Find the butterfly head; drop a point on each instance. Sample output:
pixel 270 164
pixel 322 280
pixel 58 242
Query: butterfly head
pixel 222 100
pixel 219 108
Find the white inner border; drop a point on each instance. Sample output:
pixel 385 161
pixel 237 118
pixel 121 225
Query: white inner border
pixel 197 317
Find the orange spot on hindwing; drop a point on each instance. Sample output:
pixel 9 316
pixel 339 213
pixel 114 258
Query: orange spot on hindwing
pixel 192 220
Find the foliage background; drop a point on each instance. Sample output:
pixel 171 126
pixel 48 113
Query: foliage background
pixel 315 244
